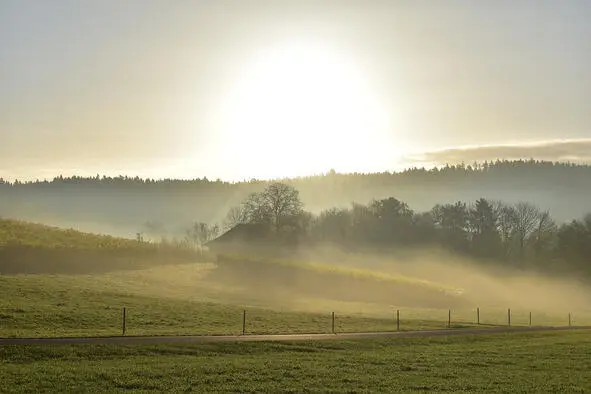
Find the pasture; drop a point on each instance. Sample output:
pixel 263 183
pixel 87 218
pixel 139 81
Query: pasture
pixel 183 300
pixel 532 362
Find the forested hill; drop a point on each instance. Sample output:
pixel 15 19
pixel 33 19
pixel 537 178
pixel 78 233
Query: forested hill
pixel 122 205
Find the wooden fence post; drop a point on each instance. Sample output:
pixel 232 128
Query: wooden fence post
pixel 509 317
pixel 530 319
pixel 244 322
pixel 333 323
pixel 397 319
pixel 478 316
pixel 569 320
pixel 449 318
pixel 124 321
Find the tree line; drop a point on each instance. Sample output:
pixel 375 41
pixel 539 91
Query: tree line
pixel 122 203
pixel 519 234
pixel 499 168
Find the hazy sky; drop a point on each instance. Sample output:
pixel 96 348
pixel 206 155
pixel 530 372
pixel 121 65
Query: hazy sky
pixel 245 88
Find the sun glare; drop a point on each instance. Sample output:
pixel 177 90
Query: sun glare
pixel 300 109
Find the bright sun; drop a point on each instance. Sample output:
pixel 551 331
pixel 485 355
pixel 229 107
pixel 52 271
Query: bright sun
pixel 301 109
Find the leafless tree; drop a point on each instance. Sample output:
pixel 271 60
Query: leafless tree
pixel 236 215
pixel 257 209
pixel 200 233
pixel 506 219
pixel 545 229
pixel 527 217
pixel 283 201
pixel 277 205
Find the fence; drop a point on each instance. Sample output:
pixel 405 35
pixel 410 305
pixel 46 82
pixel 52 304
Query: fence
pixel 413 324
pixel 224 320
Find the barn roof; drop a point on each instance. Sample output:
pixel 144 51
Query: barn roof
pixel 241 233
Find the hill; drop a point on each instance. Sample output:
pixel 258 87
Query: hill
pixel 77 283
pixel 120 206
pixel 291 279
pixel 36 248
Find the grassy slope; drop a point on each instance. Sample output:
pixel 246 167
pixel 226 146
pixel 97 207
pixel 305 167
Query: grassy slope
pixel 40 235
pixel 36 248
pixel 540 362
pixel 185 298
pixel 180 299
pixel 333 282
pixel 62 305
pixel 333 270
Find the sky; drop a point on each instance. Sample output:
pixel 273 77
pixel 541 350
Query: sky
pixel 241 89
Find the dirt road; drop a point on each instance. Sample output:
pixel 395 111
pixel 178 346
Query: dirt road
pixel 288 337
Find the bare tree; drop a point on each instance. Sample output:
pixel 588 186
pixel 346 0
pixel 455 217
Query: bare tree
pixel 543 233
pixel 236 215
pixel 279 203
pixel 283 201
pixel 526 220
pixel 506 219
pixel 257 209
pixel 200 233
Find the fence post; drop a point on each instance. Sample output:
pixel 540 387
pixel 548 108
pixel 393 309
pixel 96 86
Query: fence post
pixel 124 318
pixel 449 318
pixel 509 317
pixel 333 323
pixel 569 321
pixel 244 322
pixel 397 319
pixel 478 316
pixel 530 319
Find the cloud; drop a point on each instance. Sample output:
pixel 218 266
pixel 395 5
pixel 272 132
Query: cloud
pixel 572 150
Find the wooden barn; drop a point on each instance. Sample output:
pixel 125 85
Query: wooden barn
pixel 252 240
pixel 243 238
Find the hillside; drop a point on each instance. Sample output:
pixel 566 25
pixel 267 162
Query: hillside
pixel 36 248
pixel 291 279
pixel 120 206
pixel 93 276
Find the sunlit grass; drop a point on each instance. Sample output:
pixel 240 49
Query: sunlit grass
pixel 17 232
pixel 188 299
pixel 46 306
pixel 181 300
pixel 533 363
pixel 36 248
pixel 358 273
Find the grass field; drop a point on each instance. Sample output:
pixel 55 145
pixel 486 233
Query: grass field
pixel 336 282
pixel 540 362
pixel 207 298
pixel 181 300
pixel 50 306
pixel 35 248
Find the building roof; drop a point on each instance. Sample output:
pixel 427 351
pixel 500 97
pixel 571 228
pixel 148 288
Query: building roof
pixel 241 233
